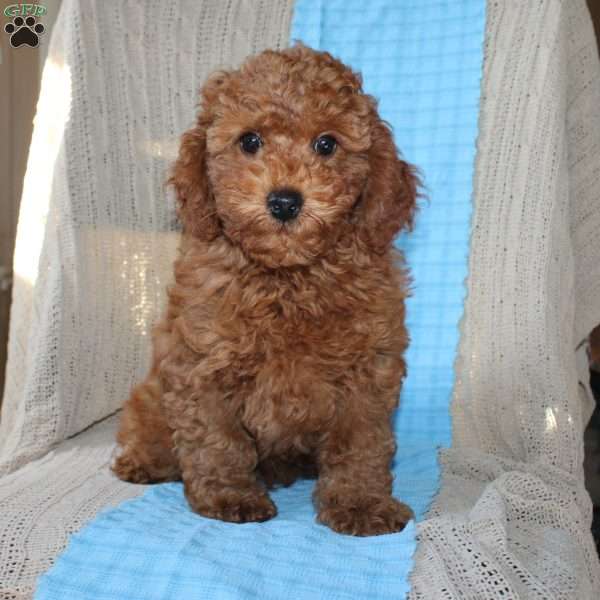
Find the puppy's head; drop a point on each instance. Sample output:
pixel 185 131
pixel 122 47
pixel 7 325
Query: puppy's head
pixel 288 155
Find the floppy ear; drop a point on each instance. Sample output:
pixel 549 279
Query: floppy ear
pixel 389 199
pixel 195 202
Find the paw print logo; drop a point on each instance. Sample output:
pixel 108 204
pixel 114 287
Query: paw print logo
pixel 24 31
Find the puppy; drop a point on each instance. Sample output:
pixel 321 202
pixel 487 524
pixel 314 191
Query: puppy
pixel 281 352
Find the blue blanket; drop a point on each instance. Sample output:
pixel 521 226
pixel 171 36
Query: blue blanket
pixel 423 60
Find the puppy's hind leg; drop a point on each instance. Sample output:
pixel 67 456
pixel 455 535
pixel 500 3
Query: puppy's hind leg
pixel 145 438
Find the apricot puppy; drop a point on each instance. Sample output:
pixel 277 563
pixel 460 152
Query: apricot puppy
pixel 281 351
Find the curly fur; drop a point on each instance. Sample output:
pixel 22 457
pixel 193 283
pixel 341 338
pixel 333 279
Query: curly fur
pixel 281 352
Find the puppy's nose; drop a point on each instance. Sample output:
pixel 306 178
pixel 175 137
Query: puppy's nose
pixel 284 204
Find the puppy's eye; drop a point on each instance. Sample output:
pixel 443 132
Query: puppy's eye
pixel 325 145
pixel 251 142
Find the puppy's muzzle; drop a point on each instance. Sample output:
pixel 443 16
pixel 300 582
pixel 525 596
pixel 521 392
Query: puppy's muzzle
pixel 285 204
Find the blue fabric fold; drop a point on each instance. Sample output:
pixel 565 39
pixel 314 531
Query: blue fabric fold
pixel 423 60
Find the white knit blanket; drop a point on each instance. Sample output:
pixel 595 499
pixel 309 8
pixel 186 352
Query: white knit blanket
pixel 512 518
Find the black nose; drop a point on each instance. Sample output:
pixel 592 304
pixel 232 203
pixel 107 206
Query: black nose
pixel 284 204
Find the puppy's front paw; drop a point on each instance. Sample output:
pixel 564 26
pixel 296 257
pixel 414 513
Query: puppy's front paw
pixel 366 516
pixel 138 467
pixel 233 506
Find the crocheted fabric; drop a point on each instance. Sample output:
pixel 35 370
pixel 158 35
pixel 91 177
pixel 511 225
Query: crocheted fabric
pixel 512 517
pixel 51 498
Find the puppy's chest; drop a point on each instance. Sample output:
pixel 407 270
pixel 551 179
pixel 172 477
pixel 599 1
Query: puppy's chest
pixel 294 370
pixel 289 353
pixel 281 340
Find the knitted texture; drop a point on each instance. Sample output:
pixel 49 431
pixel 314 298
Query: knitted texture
pixel 95 241
pixel 51 498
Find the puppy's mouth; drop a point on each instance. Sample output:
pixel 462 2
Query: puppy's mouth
pixel 279 244
pixel 287 229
